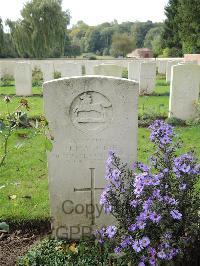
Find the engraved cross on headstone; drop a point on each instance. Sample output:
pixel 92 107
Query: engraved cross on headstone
pixel 92 191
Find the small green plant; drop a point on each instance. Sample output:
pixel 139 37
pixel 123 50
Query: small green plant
pixel 7 80
pixel 10 122
pixel 57 75
pixel 60 253
pixel 37 77
pixel 83 70
pixel 125 73
pixel 175 121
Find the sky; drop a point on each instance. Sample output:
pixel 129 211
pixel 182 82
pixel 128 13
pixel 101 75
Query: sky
pixel 94 12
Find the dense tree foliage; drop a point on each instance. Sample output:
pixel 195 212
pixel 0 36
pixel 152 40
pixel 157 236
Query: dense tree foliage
pixel 153 40
pixel 181 28
pixel 122 44
pixel 106 38
pixel 1 36
pixel 189 25
pixel 42 29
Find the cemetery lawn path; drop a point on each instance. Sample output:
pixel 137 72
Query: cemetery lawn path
pixel 23 179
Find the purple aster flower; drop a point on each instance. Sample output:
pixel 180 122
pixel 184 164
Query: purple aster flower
pixel 133 203
pixel 182 186
pixel 132 227
pixel 111 231
pixel 141 263
pixel 100 235
pixel 137 246
pixel 147 204
pixel 154 217
pixel 185 164
pixel 161 254
pixel 104 200
pixel 110 158
pixel 127 240
pixel 161 133
pixel 151 251
pixel 152 261
pixel 117 250
pixel 176 214
pixel 145 241
pixel 170 201
pixel 141 225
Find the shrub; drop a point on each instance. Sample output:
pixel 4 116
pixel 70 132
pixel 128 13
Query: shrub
pixel 57 75
pixel 7 80
pixel 55 252
pixel 125 73
pixel 37 77
pixel 156 206
pixel 175 121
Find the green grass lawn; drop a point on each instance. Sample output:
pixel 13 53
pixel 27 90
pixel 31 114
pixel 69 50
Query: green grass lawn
pixel 25 171
pixel 10 90
pixel 24 175
pixel 157 103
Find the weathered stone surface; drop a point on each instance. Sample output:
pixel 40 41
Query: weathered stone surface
pixel 108 70
pixel 88 116
pixel 147 79
pixel 134 70
pixel 184 91
pixel 169 69
pixel 47 69
pixel 23 79
pixel 68 69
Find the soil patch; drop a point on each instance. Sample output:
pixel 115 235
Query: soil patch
pixel 20 239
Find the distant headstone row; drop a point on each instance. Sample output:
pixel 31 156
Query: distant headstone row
pixel 184 84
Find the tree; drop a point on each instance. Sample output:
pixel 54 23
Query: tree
pixel 171 38
pixel 43 27
pixel 189 26
pixel 139 30
pixel 1 37
pixel 153 40
pixel 122 44
pixel 95 41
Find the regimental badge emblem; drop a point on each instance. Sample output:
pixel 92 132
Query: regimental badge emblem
pixel 91 111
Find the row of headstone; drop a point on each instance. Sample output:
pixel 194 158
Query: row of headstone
pixel 145 74
pixel 162 63
pixel 23 75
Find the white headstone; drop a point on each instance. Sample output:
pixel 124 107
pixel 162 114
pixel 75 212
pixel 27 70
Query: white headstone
pixel 68 69
pixel 89 66
pixel 169 69
pixel 23 79
pixel 184 91
pixel 47 71
pixel 147 79
pixel 108 70
pixel 162 66
pixel 134 70
pixel 88 116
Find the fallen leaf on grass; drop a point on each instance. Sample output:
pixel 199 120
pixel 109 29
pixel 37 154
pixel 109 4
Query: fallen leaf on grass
pixel 12 197
pixel 2 186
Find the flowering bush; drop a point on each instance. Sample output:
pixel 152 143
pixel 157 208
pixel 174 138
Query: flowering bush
pixel 156 207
